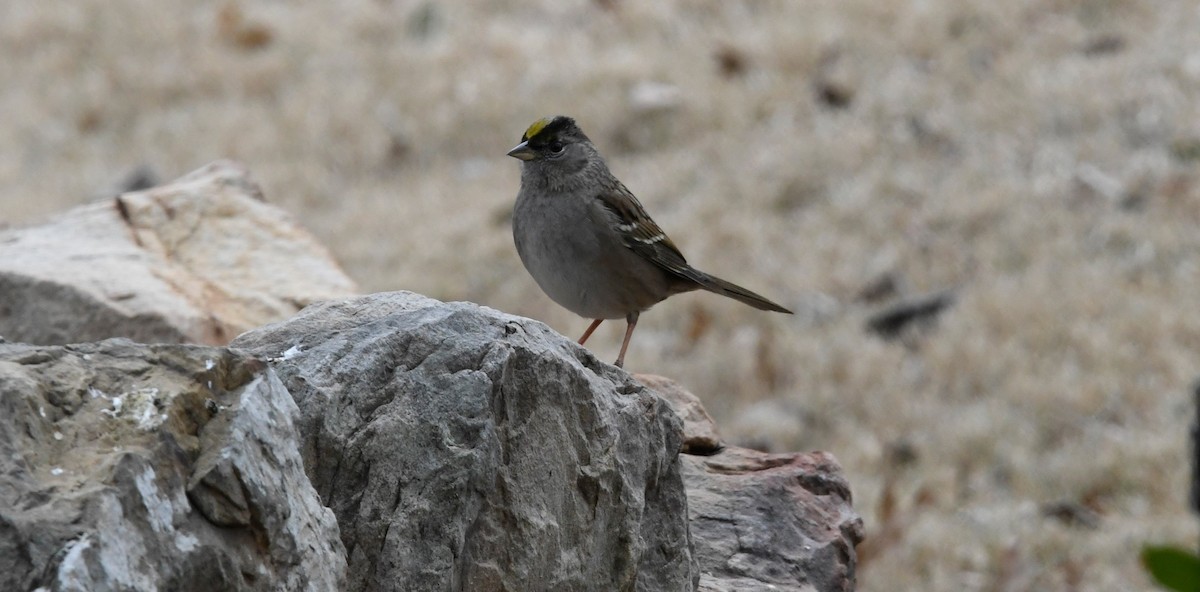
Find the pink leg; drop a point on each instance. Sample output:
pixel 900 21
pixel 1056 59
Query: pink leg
pixel 630 323
pixel 588 333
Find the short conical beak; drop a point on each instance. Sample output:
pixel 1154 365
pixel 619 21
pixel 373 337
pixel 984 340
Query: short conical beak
pixel 522 151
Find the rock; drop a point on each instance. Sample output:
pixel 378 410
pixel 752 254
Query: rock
pixel 199 260
pixel 466 449
pixel 134 467
pixel 779 522
pixel 919 311
pixel 700 435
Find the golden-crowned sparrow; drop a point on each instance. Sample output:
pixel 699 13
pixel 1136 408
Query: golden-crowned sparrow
pixel 588 242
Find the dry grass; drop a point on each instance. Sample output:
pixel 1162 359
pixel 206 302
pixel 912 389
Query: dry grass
pixel 1042 157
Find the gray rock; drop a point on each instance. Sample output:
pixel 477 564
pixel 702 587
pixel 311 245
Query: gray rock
pixel 133 467
pixel 198 260
pixel 700 434
pixel 459 448
pixel 780 522
pixel 466 449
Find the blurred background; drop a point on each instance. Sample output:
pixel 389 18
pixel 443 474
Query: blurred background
pixel 1016 183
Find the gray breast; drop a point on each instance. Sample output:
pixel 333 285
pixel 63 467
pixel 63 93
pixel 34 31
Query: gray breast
pixel 570 249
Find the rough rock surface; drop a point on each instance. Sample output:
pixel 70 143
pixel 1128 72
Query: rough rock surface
pixel 133 467
pixel 763 522
pixel 466 449
pixel 700 434
pixel 199 260
pixel 780 522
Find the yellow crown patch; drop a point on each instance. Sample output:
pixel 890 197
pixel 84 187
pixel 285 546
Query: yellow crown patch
pixel 536 128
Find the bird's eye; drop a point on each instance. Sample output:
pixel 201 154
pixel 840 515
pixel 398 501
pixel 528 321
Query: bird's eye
pixel 555 148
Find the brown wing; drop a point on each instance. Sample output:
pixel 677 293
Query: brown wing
pixel 645 238
pixel 641 234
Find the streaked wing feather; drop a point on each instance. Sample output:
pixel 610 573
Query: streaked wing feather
pixel 641 234
pixel 644 237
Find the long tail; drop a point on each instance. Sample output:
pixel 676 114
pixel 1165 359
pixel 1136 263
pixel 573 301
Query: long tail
pixel 717 285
